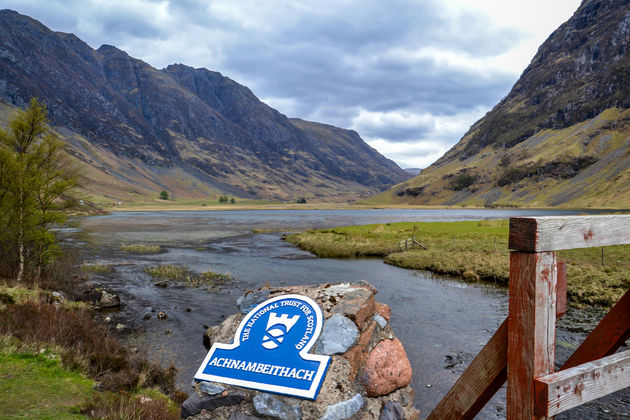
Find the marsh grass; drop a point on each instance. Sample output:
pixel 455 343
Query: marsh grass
pixel 142 249
pixel 181 274
pixel 96 268
pixel 472 251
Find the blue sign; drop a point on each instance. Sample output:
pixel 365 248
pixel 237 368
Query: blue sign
pixel 270 350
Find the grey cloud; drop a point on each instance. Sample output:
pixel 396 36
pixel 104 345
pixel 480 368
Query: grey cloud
pixel 397 134
pixel 329 63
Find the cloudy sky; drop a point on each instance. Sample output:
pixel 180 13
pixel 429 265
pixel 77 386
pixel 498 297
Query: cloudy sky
pixel 410 76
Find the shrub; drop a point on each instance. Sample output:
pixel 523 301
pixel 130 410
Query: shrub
pixel 126 406
pixel 164 195
pixel 83 344
pixel 462 181
pixel 512 176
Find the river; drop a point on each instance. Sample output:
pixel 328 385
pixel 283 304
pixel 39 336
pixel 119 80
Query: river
pixel 442 322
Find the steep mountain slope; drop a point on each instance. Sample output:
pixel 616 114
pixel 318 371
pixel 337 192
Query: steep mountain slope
pixel 192 131
pixel 562 135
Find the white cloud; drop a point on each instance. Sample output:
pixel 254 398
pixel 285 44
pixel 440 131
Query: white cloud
pixel 426 137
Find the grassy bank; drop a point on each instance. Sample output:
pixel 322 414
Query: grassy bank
pixel 472 251
pixel 52 356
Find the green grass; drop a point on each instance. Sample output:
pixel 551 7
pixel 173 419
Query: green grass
pixel 142 249
pixel 36 386
pixel 472 251
pixel 17 294
pixel 181 274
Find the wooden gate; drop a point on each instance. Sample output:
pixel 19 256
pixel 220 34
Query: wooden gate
pixel 522 351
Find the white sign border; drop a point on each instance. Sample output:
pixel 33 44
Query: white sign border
pixel 304 393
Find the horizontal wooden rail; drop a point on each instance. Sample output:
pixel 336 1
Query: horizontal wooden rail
pixel 560 391
pixel 553 233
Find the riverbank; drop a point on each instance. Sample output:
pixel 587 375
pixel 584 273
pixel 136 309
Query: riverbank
pixel 473 251
pixel 55 361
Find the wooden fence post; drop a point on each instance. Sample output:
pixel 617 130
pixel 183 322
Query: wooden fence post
pixel 531 328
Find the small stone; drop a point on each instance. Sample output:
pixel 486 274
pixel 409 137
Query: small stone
pixel 251 299
pixel 195 403
pixel 120 327
pixel 338 335
pixel 387 368
pixel 384 310
pixel 392 411
pixel 168 332
pixel 382 322
pixel 162 315
pixel 210 388
pixel 344 409
pixel 358 353
pixel 108 300
pixel 193 384
pixel 357 304
pixel 108 319
pixel 147 316
pixel 58 298
pixel 429 385
pixel 269 405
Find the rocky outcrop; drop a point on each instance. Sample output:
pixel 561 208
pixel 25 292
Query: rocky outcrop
pixel 360 382
pixel 195 120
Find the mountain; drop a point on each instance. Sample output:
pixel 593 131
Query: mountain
pixel 561 137
pixel 193 132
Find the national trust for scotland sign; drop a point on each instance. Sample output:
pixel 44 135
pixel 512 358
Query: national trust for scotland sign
pixel 270 350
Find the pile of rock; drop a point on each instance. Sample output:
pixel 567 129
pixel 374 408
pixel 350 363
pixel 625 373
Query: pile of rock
pixel 369 372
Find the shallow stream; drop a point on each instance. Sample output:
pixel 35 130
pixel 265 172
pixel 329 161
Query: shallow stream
pixel 442 322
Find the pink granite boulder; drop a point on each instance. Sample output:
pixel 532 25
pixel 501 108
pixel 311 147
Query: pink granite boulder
pixel 386 369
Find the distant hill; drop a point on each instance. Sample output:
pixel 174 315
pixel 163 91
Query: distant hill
pixel 192 132
pixel 413 171
pixel 561 137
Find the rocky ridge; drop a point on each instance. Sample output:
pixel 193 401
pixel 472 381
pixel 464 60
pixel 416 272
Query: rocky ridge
pixel 369 373
pixel 559 138
pixel 131 123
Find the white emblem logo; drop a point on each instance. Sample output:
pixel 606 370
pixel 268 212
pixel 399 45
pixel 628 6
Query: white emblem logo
pixel 277 327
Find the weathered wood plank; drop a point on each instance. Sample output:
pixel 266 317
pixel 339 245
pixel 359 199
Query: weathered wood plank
pixel 479 382
pixel 561 287
pixel 531 328
pixel 553 233
pixel 572 387
pixel 607 337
